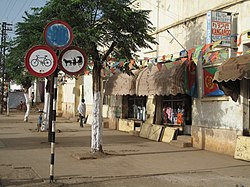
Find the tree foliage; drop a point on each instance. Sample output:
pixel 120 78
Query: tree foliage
pixel 100 27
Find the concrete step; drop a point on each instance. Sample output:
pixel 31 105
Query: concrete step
pixel 185 138
pixel 179 143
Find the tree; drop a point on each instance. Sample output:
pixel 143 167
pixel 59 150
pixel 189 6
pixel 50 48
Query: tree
pixel 111 25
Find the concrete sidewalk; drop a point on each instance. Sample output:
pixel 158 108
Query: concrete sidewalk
pixel 131 160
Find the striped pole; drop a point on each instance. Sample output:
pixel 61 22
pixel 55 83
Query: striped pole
pixel 53 134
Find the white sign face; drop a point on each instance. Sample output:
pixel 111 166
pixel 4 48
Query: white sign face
pixel 219 27
pixel 41 61
pixel 72 60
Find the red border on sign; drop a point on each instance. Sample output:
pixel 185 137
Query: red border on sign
pixel 83 54
pixel 63 23
pixel 27 63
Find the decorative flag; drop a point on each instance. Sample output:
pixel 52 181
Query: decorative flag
pixel 112 70
pixel 121 64
pixel 190 52
pixel 116 64
pixel 210 88
pixel 214 56
pixel 150 65
pixel 183 60
pixel 196 54
pixel 177 62
pixel 169 65
pixel 205 47
pixel 215 44
pixel 190 79
pixel 159 66
pixel 239 40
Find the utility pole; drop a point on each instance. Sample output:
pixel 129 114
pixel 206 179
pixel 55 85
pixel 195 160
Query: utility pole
pixel 4 30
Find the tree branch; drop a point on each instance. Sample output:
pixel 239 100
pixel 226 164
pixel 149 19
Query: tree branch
pixel 111 48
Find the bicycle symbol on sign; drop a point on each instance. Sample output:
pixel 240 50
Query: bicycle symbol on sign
pixel 43 60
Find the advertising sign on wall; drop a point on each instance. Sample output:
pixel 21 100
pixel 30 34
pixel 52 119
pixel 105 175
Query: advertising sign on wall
pixel 219 27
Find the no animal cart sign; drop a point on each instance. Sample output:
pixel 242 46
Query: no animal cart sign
pixel 72 60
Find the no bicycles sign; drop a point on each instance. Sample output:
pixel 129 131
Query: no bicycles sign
pixel 41 61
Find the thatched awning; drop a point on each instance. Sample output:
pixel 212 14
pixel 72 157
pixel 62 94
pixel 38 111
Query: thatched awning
pixel 121 84
pixel 167 81
pixel 234 68
pixel 230 73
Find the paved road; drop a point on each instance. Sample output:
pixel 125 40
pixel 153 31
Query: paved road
pixel 131 161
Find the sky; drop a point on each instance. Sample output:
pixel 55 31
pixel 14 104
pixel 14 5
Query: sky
pixel 11 11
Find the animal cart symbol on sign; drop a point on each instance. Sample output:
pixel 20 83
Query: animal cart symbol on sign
pixel 73 62
pixel 43 60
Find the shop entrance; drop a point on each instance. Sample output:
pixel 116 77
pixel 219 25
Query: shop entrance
pixel 175 111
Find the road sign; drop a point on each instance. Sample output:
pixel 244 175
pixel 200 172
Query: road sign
pixel 58 34
pixel 72 60
pixel 41 61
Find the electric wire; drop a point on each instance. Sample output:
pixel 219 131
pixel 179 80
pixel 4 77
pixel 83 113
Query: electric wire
pixel 6 9
pixel 164 11
pixel 23 13
pixel 11 9
pixel 20 11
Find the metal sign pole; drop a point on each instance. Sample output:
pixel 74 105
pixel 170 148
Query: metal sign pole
pixel 53 133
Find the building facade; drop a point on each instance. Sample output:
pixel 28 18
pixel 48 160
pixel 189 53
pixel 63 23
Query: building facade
pixel 213 118
pixel 182 25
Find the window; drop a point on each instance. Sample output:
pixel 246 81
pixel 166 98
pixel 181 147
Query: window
pixel 176 110
pixel 137 107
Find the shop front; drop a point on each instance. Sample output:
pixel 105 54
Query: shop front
pixel 152 97
pixel 233 77
pixel 127 111
pixel 173 107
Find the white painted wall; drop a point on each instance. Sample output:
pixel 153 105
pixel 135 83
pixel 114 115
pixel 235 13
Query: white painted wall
pixel 218 114
pixel 189 33
pixel 88 89
pixel 68 90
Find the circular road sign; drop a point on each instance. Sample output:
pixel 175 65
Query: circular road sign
pixel 72 60
pixel 41 61
pixel 58 34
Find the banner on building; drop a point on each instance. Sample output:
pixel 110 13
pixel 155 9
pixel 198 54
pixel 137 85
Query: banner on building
pixel 190 79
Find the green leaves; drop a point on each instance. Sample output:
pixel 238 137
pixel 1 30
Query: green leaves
pixel 100 27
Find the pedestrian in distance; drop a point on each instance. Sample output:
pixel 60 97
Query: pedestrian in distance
pixel 82 112
pixel 40 120
pixel 32 98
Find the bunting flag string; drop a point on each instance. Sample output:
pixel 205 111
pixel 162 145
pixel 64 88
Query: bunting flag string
pixel 203 53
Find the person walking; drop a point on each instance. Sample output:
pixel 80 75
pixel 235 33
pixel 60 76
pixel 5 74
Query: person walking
pixel 82 111
pixel 40 121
